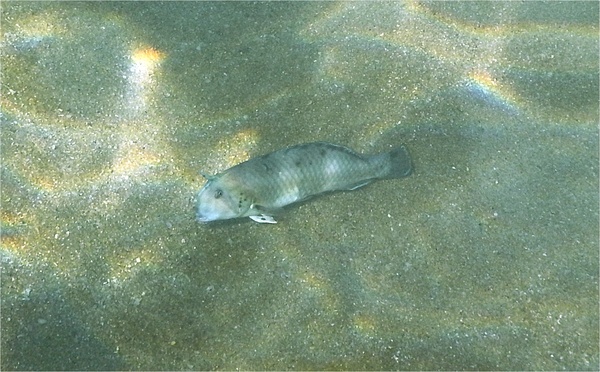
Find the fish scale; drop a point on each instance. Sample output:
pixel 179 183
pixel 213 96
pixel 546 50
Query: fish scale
pixel 260 187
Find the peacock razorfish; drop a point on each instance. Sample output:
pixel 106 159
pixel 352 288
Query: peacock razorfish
pixel 260 187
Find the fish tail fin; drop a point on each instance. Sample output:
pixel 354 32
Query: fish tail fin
pixel 397 163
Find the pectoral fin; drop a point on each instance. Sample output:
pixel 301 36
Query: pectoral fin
pixel 263 218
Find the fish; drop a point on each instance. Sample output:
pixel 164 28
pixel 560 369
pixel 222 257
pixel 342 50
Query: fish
pixel 260 187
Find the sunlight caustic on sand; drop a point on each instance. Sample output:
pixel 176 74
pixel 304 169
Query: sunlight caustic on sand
pixel 144 63
pixel 137 149
pixel 484 86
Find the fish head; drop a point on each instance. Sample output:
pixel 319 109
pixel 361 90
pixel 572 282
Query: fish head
pixel 219 201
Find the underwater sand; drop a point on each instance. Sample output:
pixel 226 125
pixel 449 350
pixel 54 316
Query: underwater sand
pixel 485 258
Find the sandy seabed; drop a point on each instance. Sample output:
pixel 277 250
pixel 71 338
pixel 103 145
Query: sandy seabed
pixel 485 258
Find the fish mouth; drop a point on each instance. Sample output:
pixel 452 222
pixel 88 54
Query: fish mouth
pixel 207 217
pixel 203 219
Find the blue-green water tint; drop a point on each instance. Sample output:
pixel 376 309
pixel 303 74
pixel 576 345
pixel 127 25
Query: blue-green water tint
pixel 485 258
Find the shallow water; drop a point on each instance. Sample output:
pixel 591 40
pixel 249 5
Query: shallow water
pixel 485 258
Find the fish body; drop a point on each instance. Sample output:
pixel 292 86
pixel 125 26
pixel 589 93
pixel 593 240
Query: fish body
pixel 261 186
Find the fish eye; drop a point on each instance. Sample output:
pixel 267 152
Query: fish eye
pixel 218 193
